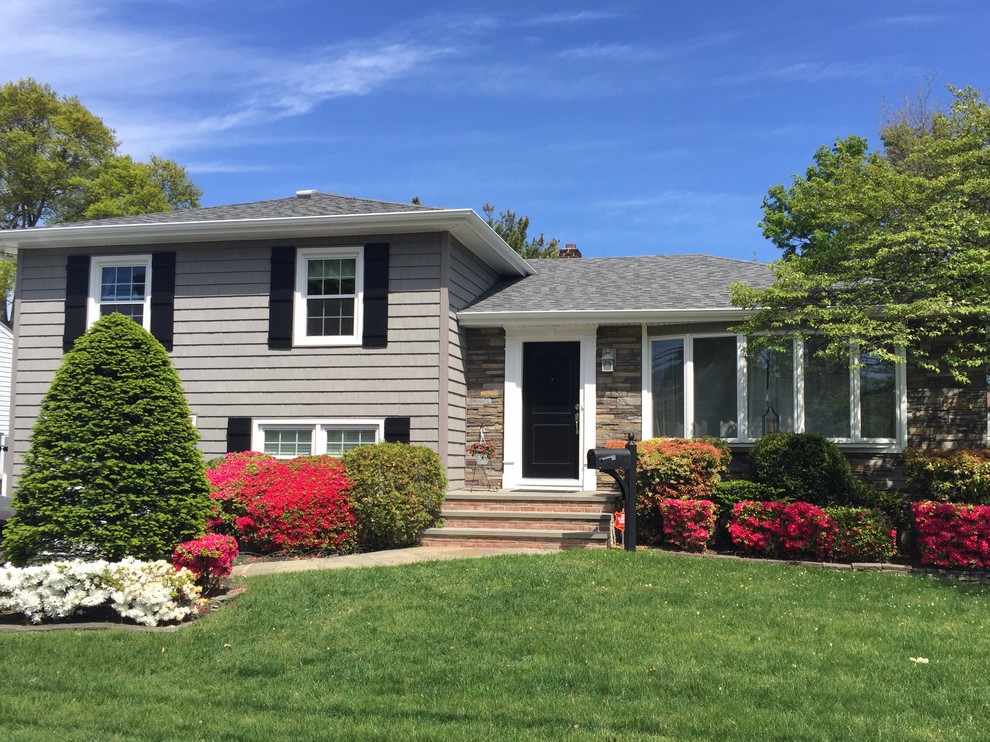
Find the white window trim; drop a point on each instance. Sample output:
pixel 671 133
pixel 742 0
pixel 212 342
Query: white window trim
pixel 96 266
pixel 745 437
pixel 303 256
pixel 318 426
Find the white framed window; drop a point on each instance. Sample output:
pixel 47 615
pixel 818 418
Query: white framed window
pixel 120 283
pixel 706 385
pixel 329 296
pixel 284 438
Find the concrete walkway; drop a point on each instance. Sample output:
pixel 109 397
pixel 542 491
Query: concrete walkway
pixel 377 559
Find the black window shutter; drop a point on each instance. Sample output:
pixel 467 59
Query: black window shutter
pixel 163 297
pixel 238 434
pixel 76 298
pixel 375 295
pixel 397 429
pixel 283 279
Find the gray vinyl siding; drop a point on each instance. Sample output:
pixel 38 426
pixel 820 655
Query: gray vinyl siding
pixel 221 341
pixel 469 279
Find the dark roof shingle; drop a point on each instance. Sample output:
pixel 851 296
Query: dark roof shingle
pixel 316 204
pixel 643 283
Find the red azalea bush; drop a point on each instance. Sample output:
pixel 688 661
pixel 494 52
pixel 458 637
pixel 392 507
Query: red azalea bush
pixel 284 505
pixel 210 558
pixel 953 535
pixel 687 524
pixel 796 529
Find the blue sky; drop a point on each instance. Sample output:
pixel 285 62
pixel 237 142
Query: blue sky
pixel 632 127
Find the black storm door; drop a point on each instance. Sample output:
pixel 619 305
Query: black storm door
pixel 551 395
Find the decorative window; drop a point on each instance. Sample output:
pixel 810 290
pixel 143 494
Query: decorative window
pixel 121 284
pixel 290 438
pixel 706 385
pixel 328 301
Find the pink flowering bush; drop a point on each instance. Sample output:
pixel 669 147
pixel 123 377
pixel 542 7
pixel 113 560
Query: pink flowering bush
pixel 687 524
pixel 210 558
pixel 796 529
pixel 274 505
pixel 953 535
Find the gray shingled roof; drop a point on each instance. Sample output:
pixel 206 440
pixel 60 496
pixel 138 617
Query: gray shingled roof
pixel 615 284
pixel 317 204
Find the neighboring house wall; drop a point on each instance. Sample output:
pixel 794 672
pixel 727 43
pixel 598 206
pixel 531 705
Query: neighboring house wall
pixel 221 324
pixel 6 370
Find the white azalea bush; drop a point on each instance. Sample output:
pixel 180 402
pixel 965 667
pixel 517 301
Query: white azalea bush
pixel 149 593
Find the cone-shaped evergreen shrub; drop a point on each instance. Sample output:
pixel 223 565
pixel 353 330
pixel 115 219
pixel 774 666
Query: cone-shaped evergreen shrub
pixel 112 469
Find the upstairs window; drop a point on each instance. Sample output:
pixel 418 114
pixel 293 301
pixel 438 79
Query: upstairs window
pixel 328 307
pixel 121 284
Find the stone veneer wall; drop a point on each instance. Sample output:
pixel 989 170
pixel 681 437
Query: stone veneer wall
pixel 620 393
pixel 485 382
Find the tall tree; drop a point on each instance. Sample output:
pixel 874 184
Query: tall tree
pixel 514 230
pixel 112 469
pixel 50 146
pixel 888 250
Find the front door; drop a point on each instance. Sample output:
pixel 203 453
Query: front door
pixel 551 407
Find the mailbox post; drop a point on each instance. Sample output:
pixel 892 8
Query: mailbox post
pixel 611 461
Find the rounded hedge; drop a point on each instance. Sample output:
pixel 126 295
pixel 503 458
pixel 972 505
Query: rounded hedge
pixel 112 469
pixel 805 467
pixel 397 491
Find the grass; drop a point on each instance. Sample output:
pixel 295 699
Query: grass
pixel 576 646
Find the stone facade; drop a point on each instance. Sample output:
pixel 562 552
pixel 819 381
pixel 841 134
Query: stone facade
pixel 620 393
pixel 485 382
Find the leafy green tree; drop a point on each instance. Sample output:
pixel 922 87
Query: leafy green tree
pixel 112 469
pixel 514 230
pixel 50 146
pixel 126 188
pixel 888 250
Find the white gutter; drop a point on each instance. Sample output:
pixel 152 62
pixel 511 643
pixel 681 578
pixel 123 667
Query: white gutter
pixel 464 224
pixel 470 318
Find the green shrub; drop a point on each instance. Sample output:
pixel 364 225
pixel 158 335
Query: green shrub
pixel 731 491
pixel 957 475
pixel 805 467
pixel 397 491
pixel 674 469
pixel 112 469
pixel 860 535
pixel 892 504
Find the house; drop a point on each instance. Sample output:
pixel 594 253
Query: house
pixel 314 323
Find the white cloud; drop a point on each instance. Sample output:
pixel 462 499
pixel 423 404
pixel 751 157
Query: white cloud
pixel 566 17
pixel 161 89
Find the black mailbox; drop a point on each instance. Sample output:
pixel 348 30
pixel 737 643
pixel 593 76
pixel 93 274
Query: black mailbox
pixel 606 459
pixel 620 464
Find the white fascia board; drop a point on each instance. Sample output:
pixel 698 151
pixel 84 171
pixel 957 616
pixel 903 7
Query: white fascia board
pixel 591 316
pixel 464 224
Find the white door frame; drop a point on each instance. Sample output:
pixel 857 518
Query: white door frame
pixel 587 336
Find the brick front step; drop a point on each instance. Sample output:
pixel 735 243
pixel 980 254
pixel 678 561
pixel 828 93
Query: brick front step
pixel 526 519
pixel 514 537
pixel 576 502
pixel 533 520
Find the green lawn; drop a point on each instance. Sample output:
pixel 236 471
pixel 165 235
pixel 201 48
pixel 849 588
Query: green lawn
pixel 583 646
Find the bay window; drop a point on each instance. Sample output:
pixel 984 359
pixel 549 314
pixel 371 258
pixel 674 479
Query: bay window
pixel 708 385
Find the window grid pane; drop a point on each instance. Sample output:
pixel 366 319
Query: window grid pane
pixel 341 440
pixel 771 382
pixel 877 398
pixel 288 442
pixel 826 394
pixel 668 388
pixel 715 387
pixel 330 297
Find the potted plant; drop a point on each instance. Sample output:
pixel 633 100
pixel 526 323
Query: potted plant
pixel 482 452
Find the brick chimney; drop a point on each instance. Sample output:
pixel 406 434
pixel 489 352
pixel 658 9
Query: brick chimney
pixel 568 251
